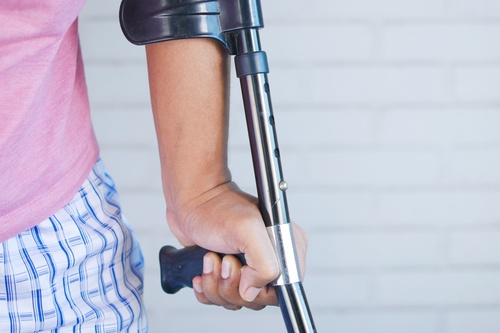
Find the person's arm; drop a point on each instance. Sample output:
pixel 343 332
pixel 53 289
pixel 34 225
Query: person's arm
pixel 189 84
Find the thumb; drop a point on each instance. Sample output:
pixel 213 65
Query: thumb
pixel 261 269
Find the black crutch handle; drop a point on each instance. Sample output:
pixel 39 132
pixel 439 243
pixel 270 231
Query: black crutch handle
pixel 179 266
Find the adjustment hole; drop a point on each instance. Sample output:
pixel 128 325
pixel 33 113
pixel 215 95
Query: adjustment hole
pixel 271 120
pixel 266 87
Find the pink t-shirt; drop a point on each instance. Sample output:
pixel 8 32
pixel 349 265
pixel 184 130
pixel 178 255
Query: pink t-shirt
pixel 47 145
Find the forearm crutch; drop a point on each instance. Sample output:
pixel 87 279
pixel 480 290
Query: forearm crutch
pixel 236 24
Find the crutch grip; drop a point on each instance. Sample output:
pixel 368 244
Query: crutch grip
pixel 179 266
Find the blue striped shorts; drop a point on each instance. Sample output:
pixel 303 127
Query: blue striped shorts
pixel 78 271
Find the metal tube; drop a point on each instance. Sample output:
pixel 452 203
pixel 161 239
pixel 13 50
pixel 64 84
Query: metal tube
pixel 271 186
pixel 294 308
pixel 265 151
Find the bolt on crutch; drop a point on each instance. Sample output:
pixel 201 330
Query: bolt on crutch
pixel 236 24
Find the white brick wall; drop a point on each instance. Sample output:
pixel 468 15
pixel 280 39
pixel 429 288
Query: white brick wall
pixel 388 116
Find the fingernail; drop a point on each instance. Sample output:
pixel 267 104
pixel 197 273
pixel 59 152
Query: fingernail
pixel 197 287
pixel 225 270
pixel 208 265
pixel 251 294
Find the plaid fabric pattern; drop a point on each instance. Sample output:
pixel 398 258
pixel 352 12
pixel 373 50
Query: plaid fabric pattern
pixel 78 271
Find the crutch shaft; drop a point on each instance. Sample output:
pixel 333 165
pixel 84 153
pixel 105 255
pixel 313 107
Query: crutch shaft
pixel 271 186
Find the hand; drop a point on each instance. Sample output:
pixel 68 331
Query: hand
pixel 227 220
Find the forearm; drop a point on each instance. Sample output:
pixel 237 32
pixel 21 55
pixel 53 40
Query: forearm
pixel 189 95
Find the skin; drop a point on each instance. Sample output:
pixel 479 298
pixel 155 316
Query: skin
pixel 189 85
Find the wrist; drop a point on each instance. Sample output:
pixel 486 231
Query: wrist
pixel 182 192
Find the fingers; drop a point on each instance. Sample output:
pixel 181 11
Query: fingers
pixel 262 265
pixel 220 284
pixel 231 274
